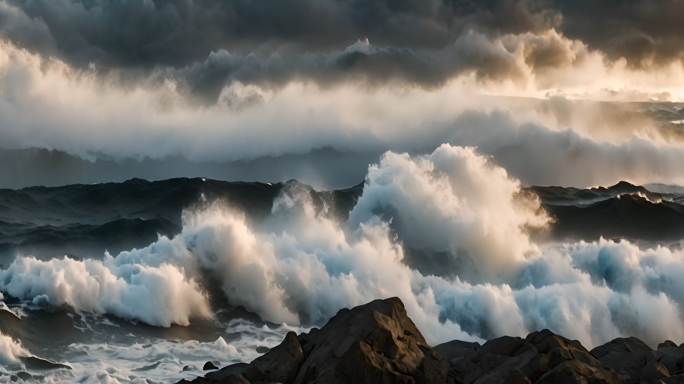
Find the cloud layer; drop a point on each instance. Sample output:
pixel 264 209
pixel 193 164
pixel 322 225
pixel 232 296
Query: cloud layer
pixel 47 104
pixel 238 81
pixel 178 33
pixel 300 267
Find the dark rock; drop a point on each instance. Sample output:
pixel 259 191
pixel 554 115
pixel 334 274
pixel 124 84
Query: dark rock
pixel 632 357
pixel 626 356
pixel 239 379
pixel 565 360
pixel 670 357
pixel 457 349
pixel 574 372
pixel 540 355
pixel 305 337
pixel 209 366
pixel 262 349
pixel 667 344
pixel 233 374
pixel 282 362
pixel 652 371
pixel 558 356
pixel 545 340
pixel 500 373
pixel 230 379
pixel 222 374
pixel 678 379
pixel 372 343
pixel 463 365
pixel 504 346
pixel 626 344
pixel 378 343
pixel 278 365
pixel 517 377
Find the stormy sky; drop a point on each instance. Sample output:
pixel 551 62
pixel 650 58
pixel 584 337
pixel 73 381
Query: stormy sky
pixel 156 89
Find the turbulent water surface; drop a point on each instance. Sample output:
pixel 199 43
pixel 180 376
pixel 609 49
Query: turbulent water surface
pixel 142 280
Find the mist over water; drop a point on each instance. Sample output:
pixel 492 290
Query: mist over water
pixel 92 128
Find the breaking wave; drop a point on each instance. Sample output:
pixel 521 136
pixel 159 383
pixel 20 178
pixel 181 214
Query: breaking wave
pixel 449 233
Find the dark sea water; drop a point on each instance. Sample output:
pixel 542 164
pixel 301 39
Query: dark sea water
pixel 86 222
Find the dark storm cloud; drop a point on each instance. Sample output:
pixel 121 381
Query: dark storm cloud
pixel 180 32
pixel 641 31
pixel 32 34
pixel 360 62
pixel 204 45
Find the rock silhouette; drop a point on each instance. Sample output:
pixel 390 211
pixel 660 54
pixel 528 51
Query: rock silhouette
pixel 378 343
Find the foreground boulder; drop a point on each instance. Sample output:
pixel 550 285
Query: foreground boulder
pixel 541 357
pixel 632 357
pixel 378 343
pixel 373 343
pixel 671 356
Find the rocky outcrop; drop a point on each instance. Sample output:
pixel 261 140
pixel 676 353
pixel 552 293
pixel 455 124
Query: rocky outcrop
pixel 632 357
pixel 541 357
pixel 672 357
pixel 373 343
pixel 378 343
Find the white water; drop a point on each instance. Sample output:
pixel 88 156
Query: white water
pixel 301 267
pixel 143 360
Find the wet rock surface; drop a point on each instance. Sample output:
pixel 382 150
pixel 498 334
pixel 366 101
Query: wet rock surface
pixel 378 343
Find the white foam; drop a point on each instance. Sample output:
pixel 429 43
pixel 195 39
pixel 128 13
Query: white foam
pixel 11 351
pixel 158 296
pixel 301 266
pixel 161 360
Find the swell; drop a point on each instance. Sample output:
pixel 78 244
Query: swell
pixel 620 211
pixel 83 221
